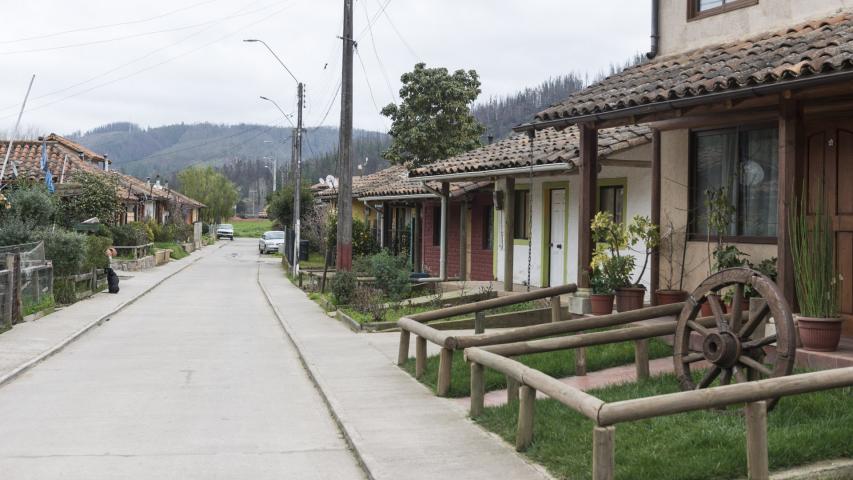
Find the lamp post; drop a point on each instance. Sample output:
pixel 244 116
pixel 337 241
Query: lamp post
pixel 300 90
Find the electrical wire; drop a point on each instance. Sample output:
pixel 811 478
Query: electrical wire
pixel 376 53
pixel 101 27
pixel 384 11
pixel 367 79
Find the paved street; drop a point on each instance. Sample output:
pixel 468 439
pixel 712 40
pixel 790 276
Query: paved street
pixel 195 380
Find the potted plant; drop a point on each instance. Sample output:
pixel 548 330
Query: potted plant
pixel 816 280
pixel 612 255
pixel 673 250
pixel 601 299
pixel 719 218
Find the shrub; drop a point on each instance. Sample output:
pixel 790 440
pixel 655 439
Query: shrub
pixel 67 250
pixel 343 287
pixel 391 273
pixel 96 256
pixel 33 205
pixel 369 301
pixel 14 231
pixel 130 234
pixel 363 242
pixel 97 198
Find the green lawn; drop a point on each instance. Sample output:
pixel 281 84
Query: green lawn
pixel 392 315
pixel 557 364
pixel 251 228
pixel 178 251
pixel 315 261
pixel 705 445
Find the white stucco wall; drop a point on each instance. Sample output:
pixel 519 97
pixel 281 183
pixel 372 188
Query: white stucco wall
pixel 678 34
pixel 639 203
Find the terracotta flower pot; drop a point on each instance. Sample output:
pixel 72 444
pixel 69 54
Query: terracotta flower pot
pixel 667 297
pixel 706 307
pixel 628 299
pixel 601 304
pixel 819 334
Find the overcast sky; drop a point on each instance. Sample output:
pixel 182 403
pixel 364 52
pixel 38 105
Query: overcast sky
pixel 158 62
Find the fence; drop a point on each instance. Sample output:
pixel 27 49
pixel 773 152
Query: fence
pixel 138 251
pixel 26 279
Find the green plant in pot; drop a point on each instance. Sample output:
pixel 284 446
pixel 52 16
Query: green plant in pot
pixel 720 213
pixel 602 292
pixel 817 282
pixel 614 244
pixel 673 252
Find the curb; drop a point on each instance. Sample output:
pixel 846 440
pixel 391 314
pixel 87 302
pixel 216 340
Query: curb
pixel 79 333
pixel 311 376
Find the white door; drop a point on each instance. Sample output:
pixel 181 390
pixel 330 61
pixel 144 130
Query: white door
pixel 558 236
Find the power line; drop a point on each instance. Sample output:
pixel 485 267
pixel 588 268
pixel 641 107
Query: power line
pixel 100 27
pixel 397 31
pixel 367 79
pixel 236 14
pixel 151 67
pixel 376 52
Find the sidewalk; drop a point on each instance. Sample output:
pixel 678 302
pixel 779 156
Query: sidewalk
pixel 29 343
pixel 396 426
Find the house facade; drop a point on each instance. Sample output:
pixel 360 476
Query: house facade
pixel 750 98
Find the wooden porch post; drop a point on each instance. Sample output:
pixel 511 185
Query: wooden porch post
pixel 463 239
pixel 589 180
pixel 789 129
pixel 445 194
pixel 656 201
pixel 416 239
pixel 509 231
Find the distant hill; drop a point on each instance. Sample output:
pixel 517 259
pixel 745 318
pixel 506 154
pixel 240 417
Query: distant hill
pixel 168 149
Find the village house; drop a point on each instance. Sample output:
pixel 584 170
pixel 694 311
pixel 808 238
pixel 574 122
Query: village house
pixel 530 219
pixel 142 200
pixel 750 95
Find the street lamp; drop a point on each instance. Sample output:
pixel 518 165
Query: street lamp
pixel 300 90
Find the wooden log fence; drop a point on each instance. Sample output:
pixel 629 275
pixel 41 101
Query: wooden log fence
pixel 136 249
pixel 753 395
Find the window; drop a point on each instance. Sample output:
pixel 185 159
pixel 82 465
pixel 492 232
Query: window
pixel 521 223
pixel 743 162
pixel 697 9
pixel 488 227
pixel 611 198
pixel 436 226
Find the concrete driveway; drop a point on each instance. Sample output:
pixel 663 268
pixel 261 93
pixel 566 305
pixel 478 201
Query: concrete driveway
pixel 196 380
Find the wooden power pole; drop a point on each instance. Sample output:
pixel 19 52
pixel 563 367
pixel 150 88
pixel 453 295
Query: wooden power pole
pixel 297 192
pixel 344 248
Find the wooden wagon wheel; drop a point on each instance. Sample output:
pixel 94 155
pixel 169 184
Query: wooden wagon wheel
pixel 729 345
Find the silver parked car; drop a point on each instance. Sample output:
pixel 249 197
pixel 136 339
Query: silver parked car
pixel 271 242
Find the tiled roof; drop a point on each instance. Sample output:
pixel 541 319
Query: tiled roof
pixel 26 156
pixel 550 146
pixel 89 154
pixel 809 49
pixel 395 181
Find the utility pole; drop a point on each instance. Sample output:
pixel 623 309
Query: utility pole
pixel 344 248
pixel 297 221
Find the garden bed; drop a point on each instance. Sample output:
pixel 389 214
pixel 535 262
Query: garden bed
pixel 178 251
pixel 701 445
pixel 556 364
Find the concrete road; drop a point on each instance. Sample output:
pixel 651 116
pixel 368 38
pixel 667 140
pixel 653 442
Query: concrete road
pixel 195 380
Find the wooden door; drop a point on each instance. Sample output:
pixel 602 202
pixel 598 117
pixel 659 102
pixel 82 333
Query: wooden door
pixel 829 168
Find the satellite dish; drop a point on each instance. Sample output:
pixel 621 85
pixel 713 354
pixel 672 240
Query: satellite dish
pixel 322 181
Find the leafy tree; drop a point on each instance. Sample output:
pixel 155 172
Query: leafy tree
pixel 34 205
pixel 280 208
pixel 211 188
pixel 433 120
pixel 97 198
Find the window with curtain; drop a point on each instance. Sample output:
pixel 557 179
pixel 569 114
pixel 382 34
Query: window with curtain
pixel 611 198
pixel 436 226
pixel 706 8
pixel 521 226
pixel 488 227
pixel 744 161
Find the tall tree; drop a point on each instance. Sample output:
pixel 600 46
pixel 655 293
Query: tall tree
pixel 433 120
pixel 211 188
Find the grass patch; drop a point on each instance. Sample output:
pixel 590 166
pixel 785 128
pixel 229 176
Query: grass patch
pixel 392 315
pixel 178 251
pixel 45 303
pixel 322 299
pixel 315 261
pixel 705 445
pixel 556 364
pixel 251 228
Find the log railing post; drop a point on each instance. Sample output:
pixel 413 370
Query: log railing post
pixel 403 353
pixel 524 434
pixel 641 358
pixel 445 364
pixel 16 285
pixel 603 453
pixel 420 356
pixel 511 390
pixel 556 310
pixel 756 441
pixel 9 292
pixel 478 389
pixel 480 322
pixel 580 361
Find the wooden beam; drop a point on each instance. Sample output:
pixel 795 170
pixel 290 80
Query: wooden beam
pixel 588 193
pixel 654 272
pixel 603 453
pixel 478 389
pixel 417 240
pixel 403 351
pixel 445 363
pixel 509 232
pixel 420 356
pixel 790 124
pixel 756 441
pixel 526 404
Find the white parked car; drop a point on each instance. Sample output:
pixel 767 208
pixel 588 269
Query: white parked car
pixel 271 242
pixel 226 230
